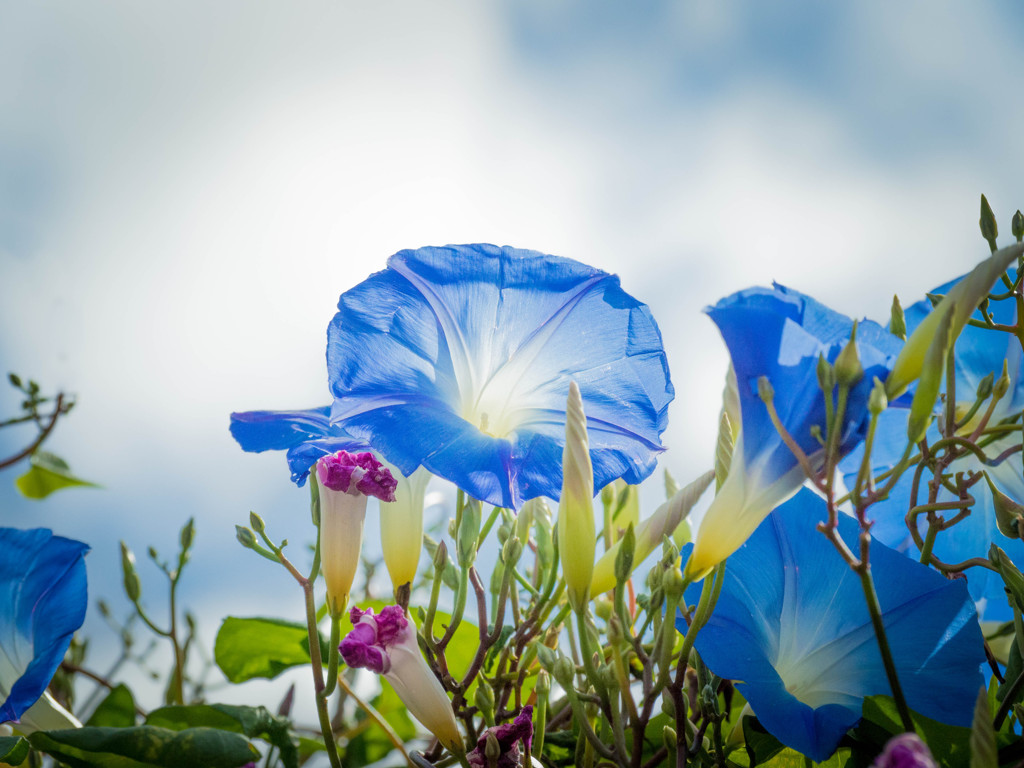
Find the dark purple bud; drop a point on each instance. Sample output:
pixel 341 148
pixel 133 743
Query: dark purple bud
pixel 905 751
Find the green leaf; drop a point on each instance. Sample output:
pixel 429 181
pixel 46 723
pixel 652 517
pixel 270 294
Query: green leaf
pixel 257 647
pixel 117 710
pixel 13 750
pixel 254 722
pixel 761 745
pixel 145 746
pixel 983 736
pixel 47 473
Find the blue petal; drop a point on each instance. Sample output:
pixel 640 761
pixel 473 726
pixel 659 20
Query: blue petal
pixel 792 627
pixel 306 435
pixel 779 333
pixel 459 359
pixel 42 603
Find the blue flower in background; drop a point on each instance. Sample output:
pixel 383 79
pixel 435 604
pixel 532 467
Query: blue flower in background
pixel 780 333
pixel 792 628
pixel 305 435
pixel 978 353
pixel 42 603
pixel 459 359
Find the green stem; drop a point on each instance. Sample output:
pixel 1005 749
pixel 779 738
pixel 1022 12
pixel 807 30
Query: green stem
pixel 178 681
pixel 875 609
pixel 332 658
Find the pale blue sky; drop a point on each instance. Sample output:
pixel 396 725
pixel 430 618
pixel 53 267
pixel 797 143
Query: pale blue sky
pixel 186 188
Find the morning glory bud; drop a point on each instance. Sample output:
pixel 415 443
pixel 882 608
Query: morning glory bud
pixel 132 586
pixel 511 552
pixel 1002 384
pixel 897 320
pixel 245 536
pixel 577 538
pixel 1009 514
pixel 826 375
pixel 987 223
pixel 484 700
pixel 346 479
pixel 985 387
pixel 564 672
pixel 877 401
pixel 848 368
pixel 672 583
pixel 468 532
pixel 401 526
pixel 1017 226
pixel 624 557
pixel 256 523
pixel 386 644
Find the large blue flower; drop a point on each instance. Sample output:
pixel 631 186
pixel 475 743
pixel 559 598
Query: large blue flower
pixel 459 359
pixel 305 435
pixel 42 603
pixel 779 333
pixel 978 352
pixel 792 628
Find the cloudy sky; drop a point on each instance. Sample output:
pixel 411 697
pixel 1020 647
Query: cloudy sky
pixel 186 188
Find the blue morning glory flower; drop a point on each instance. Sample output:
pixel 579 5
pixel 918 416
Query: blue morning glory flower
pixel 780 333
pixel 305 435
pixel 459 359
pixel 792 628
pixel 42 603
pixel 978 353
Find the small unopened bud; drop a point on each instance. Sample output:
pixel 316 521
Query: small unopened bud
pixel 668 738
pixel 608 496
pixel 848 368
pixel 564 672
pixel 1012 577
pixel 546 656
pixel 672 583
pixel 987 223
pixel 484 700
pixel 603 607
pixel 624 557
pixel 1002 385
pixel 985 387
pixel 897 320
pixel 440 557
pixel 877 401
pixel 609 680
pixel 245 536
pixel 826 375
pixel 1008 512
pixel 511 552
pixel 103 608
pixel 468 532
pixel 708 699
pixel 1017 226
pixel 668 707
pixel 492 750
pixel 543 686
pixel 765 390
pixel 256 523
pixel 132 585
pixel 153 554
pixel 614 631
pixel 654 578
pixel 504 531
pixel 188 535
